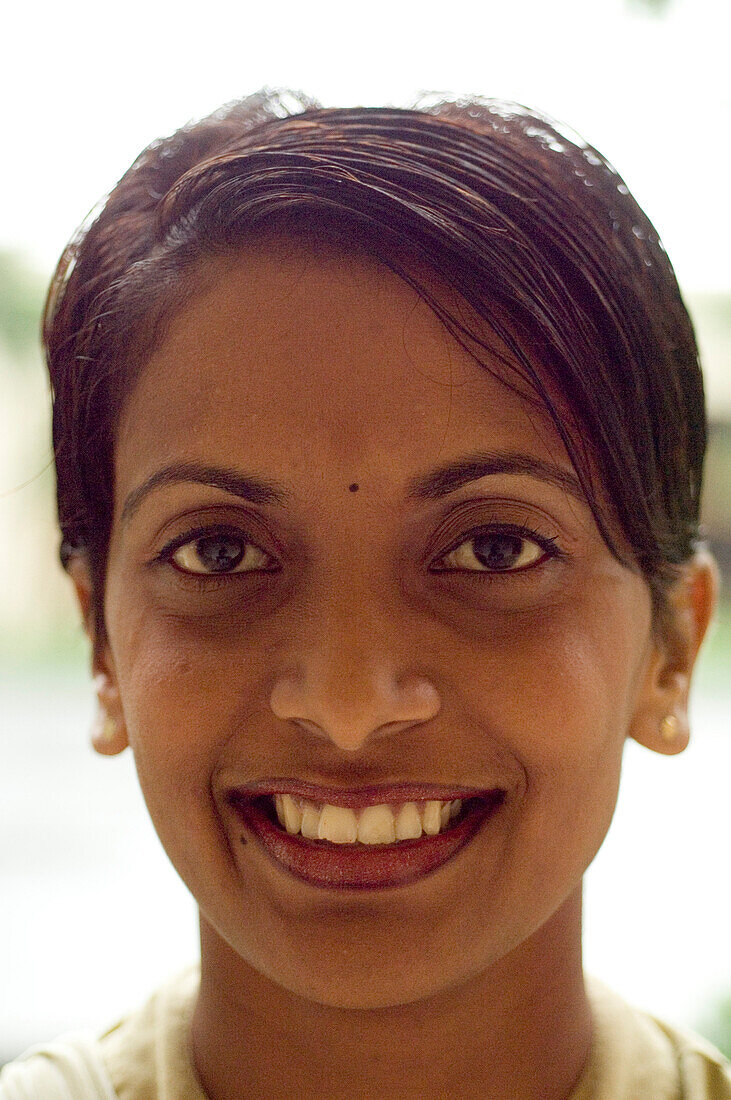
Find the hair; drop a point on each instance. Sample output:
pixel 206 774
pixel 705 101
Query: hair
pixel 528 223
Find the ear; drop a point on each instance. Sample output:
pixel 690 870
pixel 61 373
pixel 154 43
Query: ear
pixel 660 722
pixel 109 732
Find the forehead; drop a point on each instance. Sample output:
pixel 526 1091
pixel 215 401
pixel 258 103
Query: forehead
pixel 307 360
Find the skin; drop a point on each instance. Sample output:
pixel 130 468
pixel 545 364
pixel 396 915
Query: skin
pixel 359 662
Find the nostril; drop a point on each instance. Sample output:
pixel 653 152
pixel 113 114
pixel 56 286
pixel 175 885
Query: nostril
pixel 347 709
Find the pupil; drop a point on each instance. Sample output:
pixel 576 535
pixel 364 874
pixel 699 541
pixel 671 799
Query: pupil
pixel 219 553
pixel 497 551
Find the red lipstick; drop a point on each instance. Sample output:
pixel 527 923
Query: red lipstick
pixel 362 866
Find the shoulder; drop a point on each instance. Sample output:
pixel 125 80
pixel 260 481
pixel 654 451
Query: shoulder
pixel 71 1068
pixel 147 1053
pixel 634 1055
pixel 144 1056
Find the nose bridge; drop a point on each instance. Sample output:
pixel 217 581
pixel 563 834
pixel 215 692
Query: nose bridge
pixel 351 615
pixel 356 630
pixel 349 671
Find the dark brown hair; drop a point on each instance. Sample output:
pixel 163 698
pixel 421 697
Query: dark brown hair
pixel 532 226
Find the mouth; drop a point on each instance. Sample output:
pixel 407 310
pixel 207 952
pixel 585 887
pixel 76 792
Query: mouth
pixel 362 839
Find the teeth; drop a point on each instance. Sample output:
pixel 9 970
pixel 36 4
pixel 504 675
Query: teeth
pixel 288 812
pixel 432 819
pixel 376 825
pixel 338 824
pixel 408 822
pixel 381 824
pixel 310 821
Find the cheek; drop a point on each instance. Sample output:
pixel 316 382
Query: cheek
pixel 180 702
pixel 563 681
pixel 556 691
pixel 178 692
pixel 560 698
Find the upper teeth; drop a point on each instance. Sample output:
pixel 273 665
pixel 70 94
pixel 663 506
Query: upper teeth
pixel 381 824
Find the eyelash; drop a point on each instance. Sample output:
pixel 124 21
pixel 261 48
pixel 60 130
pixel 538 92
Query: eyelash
pixel 212 581
pixel 208 581
pixel 547 543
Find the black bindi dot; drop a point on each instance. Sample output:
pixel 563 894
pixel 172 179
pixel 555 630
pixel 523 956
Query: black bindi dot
pixel 353 488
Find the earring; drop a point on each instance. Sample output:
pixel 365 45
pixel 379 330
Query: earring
pixel 105 728
pixel 109 729
pixel 669 728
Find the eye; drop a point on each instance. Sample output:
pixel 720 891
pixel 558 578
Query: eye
pixel 216 552
pixel 502 550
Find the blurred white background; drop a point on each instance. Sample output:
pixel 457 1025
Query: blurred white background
pixel 91 915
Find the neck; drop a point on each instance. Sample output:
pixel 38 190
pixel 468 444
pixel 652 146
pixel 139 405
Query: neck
pixel 520 1028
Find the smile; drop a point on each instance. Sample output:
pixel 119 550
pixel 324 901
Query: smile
pixel 379 824
pixel 369 843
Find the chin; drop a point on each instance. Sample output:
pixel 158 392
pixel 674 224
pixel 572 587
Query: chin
pixel 373 991
pixel 343 975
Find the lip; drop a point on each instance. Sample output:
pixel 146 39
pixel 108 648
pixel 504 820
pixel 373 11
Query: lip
pixel 355 798
pixel 361 867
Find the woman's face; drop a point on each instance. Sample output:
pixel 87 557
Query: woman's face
pixel 479 635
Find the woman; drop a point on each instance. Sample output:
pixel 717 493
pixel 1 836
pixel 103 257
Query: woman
pixel 379 438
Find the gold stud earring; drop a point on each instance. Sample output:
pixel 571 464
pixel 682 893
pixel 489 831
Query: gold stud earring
pixel 108 734
pixel 110 727
pixel 105 728
pixel 669 728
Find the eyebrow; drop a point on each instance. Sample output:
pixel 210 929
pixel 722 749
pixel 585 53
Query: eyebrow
pixel 453 475
pixel 257 490
pixel 434 485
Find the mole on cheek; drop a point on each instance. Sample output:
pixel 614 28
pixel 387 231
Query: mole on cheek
pixel 353 488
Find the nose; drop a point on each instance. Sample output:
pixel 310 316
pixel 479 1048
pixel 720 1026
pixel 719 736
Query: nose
pixel 349 692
